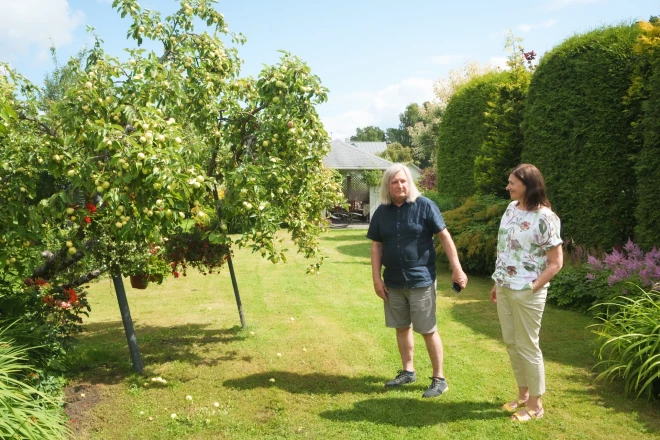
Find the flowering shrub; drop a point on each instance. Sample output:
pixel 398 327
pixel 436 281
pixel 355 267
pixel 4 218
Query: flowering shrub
pixel 45 316
pixel 581 285
pixel 195 248
pixel 629 264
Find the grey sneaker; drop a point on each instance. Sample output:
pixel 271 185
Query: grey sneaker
pixel 437 387
pixel 402 377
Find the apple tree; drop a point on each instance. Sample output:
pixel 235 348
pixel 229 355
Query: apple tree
pixel 137 148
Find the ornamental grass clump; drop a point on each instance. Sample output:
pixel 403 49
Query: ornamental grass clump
pixel 629 342
pixel 25 412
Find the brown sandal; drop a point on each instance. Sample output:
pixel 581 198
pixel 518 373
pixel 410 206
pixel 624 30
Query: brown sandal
pixel 512 406
pixel 526 414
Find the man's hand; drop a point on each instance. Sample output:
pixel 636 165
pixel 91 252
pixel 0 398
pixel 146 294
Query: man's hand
pixel 493 293
pixel 381 289
pixel 458 276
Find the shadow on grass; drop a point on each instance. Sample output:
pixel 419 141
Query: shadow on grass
pixel 362 250
pixel 102 351
pixel 345 235
pixel 315 383
pixel 403 412
pixel 565 339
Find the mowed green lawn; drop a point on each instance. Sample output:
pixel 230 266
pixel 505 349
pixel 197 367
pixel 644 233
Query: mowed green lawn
pixel 322 339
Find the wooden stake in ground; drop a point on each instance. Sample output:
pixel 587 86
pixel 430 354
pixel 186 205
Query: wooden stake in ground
pixel 234 284
pixel 136 359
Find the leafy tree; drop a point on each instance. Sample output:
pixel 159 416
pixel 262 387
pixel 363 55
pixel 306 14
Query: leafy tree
pixel 57 82
pixel 369 134
pixel 137 147
pixel 397 153
pixel 424 133
pixel 407 119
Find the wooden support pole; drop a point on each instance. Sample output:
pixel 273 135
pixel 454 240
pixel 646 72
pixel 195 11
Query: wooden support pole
pixel 136 359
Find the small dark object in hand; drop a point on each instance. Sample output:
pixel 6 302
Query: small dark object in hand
pixel 456 287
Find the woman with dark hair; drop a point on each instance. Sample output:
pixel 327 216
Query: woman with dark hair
pixel 529 255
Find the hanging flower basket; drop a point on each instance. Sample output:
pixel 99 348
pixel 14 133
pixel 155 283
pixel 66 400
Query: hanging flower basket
pixel 194 249
pixel 139 281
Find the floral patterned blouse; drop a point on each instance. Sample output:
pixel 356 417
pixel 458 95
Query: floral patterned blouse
pixel 522 242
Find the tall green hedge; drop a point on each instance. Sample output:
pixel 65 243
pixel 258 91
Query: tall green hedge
pixel 461 134
pixel 501 149
pixel 645 106
pixel 577 132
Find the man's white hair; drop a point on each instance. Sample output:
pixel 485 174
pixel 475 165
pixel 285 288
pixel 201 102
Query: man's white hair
pixel 389 173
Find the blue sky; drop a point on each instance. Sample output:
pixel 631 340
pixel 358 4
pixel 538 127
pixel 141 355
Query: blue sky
pixel 374 56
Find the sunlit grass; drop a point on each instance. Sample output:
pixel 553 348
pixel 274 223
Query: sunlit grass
pixel 334 356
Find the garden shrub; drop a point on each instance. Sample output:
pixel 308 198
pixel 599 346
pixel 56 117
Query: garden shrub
pixel 577 133
pixel 629 342
pixel 428 181
pixel 570 288
pixel 474 227
pixel 462 132
pixel 445 203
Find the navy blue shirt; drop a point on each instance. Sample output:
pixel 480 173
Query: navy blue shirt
pixel 406 232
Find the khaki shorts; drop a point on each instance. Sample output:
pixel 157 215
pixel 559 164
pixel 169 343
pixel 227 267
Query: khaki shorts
pixel 411 306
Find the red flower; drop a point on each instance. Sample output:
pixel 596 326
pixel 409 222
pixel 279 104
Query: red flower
pixel 40 282
pixel 87 219
pixel 91 208
pixel 73 298
pixel 28 281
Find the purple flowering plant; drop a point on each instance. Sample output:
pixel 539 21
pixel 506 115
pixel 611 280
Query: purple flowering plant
pixel 626 265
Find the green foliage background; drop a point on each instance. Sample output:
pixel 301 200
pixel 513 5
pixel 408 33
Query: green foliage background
pixel 462 132
pixel 577 133
pixel 644 99
pixel 474 226
pixel 501 149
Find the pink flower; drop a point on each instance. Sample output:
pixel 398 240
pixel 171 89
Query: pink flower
pixel 594 263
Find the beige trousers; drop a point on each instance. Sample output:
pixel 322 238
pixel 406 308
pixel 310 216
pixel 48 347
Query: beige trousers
pixel 520 313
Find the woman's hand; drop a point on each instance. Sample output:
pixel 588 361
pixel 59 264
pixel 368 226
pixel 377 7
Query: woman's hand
pixel 493 293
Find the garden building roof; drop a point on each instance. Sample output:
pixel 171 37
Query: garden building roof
pixel 371 147
pixel 344 156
